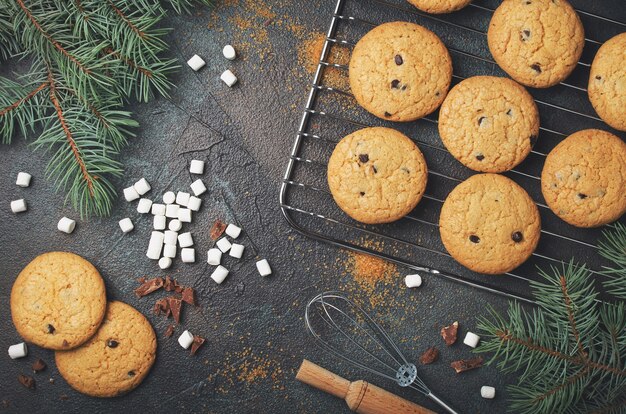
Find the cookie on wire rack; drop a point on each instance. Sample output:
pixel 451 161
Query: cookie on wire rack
pixel 439 6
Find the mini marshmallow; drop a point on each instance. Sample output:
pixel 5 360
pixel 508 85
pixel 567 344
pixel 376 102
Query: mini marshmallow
pixel 165 262
pixel 171 210
pixel 219 274
pixel 487 392
pixel 142 186
pixel 223 244
pixel 229 52
pixel 264 267
pixel 185 339
pixel 18 350
pixel 214 256
pixel 196 167
pixel 185 240
pixel 170 237
pixel 471 339
pixel 66 225
pixel 182 198
pixel 233 231
pixel 130 194
pixel 159 222
pixel 169 197
pixel 18 206
pixel 196 63
pixel 158 209
pixel 23 179
pixel 155 245
pixel 144 206
pixel 169 250
pixel 188 255
pixel 229 78
pixel 413 281
pixel 198 187
pixel 175 225
pixel 184 215
pixel 126 225
pixel 236 250
pixel 194 203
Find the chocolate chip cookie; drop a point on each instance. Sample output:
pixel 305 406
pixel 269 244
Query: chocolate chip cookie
pixel 488 123
pixel 607 82
pixel 584 178
pixel 439 6
pixel 537 42
pixel 400 71
pixel 116 359
pixel 58 301
pixel 377 175
pixel 489 224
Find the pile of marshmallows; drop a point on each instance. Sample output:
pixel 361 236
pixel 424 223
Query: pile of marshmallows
pixel 66 225
pixel 196 63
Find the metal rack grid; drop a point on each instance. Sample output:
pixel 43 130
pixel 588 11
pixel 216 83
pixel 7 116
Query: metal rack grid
pixel 331 113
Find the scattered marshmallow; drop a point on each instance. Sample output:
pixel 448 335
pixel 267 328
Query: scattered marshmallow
pixel 159 222
pixel 233 231
pixel 169 197
pixel 126 225
pixel 185 339
pixel 144 206
pixel 219 274
pixel 185 240
pixel 66 225
pixel 196 167
pixel 487 392
pixel 236 250
pixel 171 211
pixel 184 215
pixel 214 256
pixel 413 281
pixel 170 237
pixel 471 339
pixel 169 250
pixel 182 198
pixel 229 52
pixel 130 194
pixel 229 78
pixel 165 262
pixel 18 350
pixel 158 209
pixel 196 63
pixel 18 206
pixel 155 245
pixel 23 179
pixel 142 186
pixel 264 267
pixel 198 187
pixel 223 244
pixel 175 225
pixel 194 203
pixel 188 255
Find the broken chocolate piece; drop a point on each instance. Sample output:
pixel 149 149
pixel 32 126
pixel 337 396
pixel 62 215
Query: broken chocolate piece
pixel 112 343
pixel 218 229
pixel 480 157
pixel 361 193
pixel 169 331
pixel 364 158
pixel 466 364
pixel 395 84
pixel 387 114
pixel 429 356
pixel 536 67
pixel 39 365
pixel 175 305
pixel 51 328
pixel 198 341
pixel 474 238
pixel 398 59
pixel 149 286
pixel 26 381
pixel 162 306
pixel 449 333
pixel 188 295
pixel 582 196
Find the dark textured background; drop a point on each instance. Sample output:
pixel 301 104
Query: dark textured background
pixel 254 326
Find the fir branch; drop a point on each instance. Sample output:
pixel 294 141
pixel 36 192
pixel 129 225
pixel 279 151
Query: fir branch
pixel 612 247
pixel 8 43
pixel 20 108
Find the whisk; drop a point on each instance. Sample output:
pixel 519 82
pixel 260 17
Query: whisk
pixel 335 321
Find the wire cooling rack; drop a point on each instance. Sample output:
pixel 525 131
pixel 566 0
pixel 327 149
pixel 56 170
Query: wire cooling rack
pixel 332 113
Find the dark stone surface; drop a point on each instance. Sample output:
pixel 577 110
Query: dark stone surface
pixel 254 326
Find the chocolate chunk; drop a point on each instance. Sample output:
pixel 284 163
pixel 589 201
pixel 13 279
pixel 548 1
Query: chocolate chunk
pixel 480 157
pixel 395 83
pixel 112 343
pixel 65 343
pixel 528 2
pixel 169 331
pixel 26 381
pixel 175 305
pixel 362 193
pixel 598 77
pixel 374 169
pixel 448 333
pixel 437 93
pixel 481 119
pixel 188 296
pixel 582 196
pixel 142 279
pixel 398 60
pixel 509 112
pixel 198 341
pixel 218 229
pixel 403 87
pixel 466 364
pixel 131 373
pixel 429 356
pixel 162 306
pixel 536 67
pixel 149 286
pixel 364 158
pixel 517 236
pixel 474 238
pixel 387 114
pixel 525 35
pixel 51 328
pixel 39 365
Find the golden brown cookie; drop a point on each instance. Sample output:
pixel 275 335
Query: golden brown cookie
pixel 537 42
pixel 607 82
pixel 584 178
pixel 439 6
pixel 116 359
pixel 377 175
pixel 488 123
pixel 400 71
pixel 58 301
pixel 489 224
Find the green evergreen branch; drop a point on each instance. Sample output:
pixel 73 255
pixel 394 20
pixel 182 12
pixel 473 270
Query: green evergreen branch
pixel 612 247
pixel 20 106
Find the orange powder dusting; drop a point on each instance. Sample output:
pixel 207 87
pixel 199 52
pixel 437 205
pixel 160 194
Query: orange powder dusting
pixel 368 270
pixel 309 56
pixel 248 367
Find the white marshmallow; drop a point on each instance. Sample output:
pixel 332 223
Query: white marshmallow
pixel 165 262
pixel 169 197
pixel 184 215
pixel 194 203
pixel 18 350
pixel 142 186
pixel 196 167
pixel 214 256
pixel 471 339
pixel 223 244
pixel 159 222
pixel 185 240
pixel 175 225
pixel 182 198
pixel 185 339
pixel 233 231
pixel 171 210
pixel 18 206
pixel 155 245
pixel 66 225
pixel 188 255
pixel 219 274
pixel 487 392
pixel 229 78
pixel 169 250
pixel 196 63
pixel 130 194
pixel 264 267
pixel 126 225
pixel 236 250
pixel 23 179
pixel 158 209
pixel 229 52
pixel 144 206
pixel 413 281
pixel 170 237
pixel 198 187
